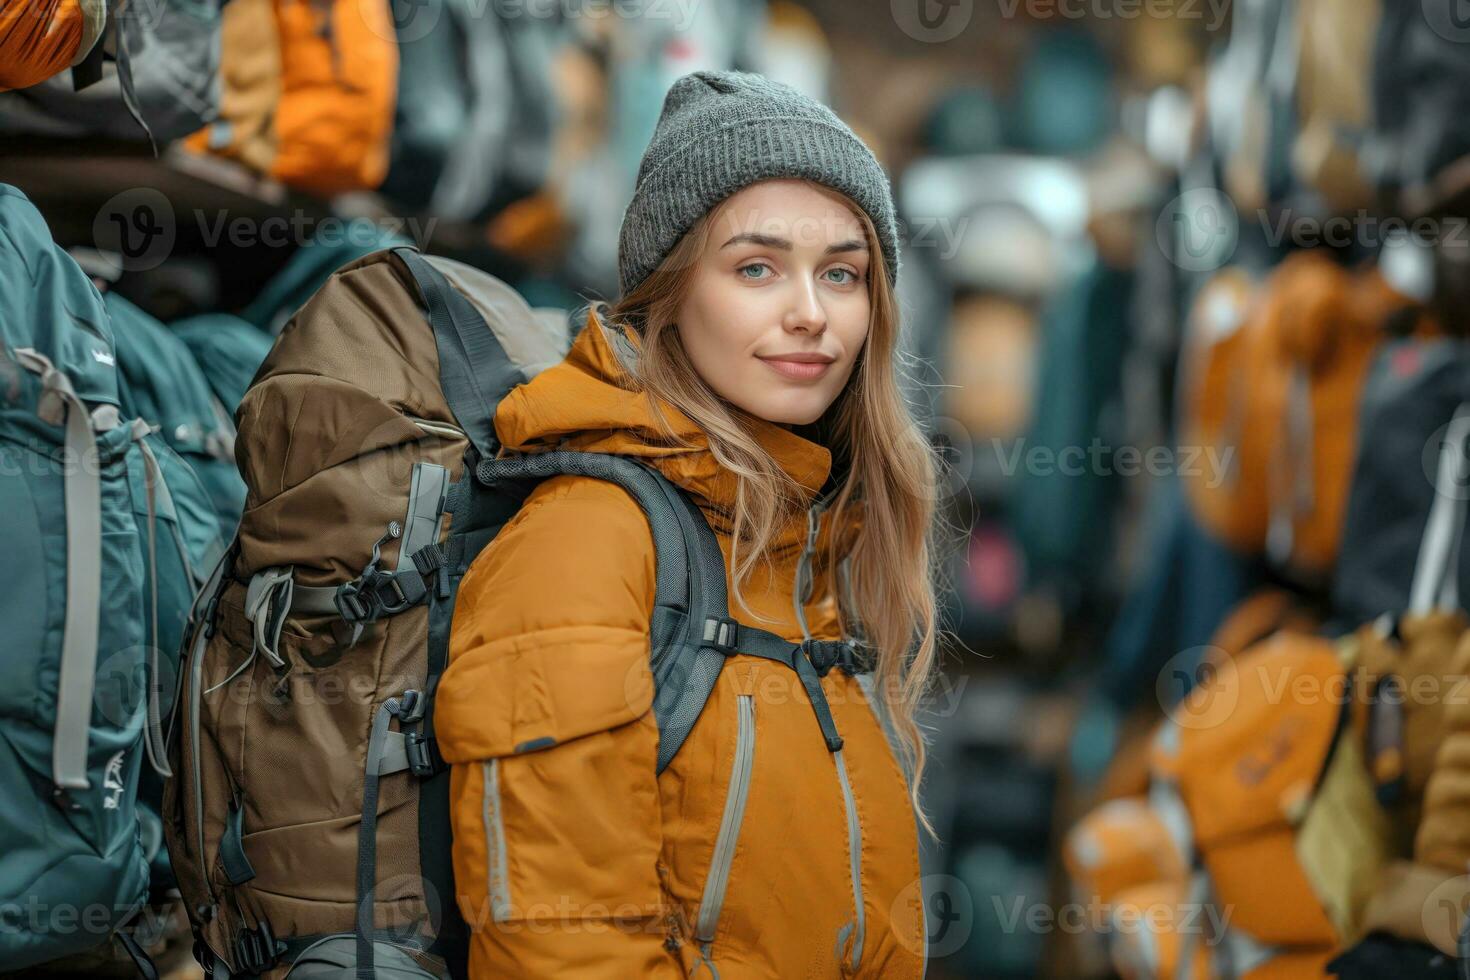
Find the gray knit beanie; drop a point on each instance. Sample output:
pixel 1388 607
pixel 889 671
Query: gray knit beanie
pixel 720 131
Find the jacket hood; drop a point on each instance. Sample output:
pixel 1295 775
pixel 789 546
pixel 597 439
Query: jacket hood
pixel 587 403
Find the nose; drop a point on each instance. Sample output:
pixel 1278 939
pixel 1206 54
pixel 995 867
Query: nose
pixel 806 313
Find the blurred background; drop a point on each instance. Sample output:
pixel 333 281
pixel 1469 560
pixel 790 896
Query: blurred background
pixel 1183 293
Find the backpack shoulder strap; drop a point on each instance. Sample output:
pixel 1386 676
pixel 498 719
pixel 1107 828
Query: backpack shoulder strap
pixel 684 672
pixel 474 369
pixel 691 633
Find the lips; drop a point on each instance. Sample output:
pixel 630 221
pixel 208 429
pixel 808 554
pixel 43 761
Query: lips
pixel 805 369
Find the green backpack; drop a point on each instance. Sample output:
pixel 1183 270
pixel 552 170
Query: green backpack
pixel 84 494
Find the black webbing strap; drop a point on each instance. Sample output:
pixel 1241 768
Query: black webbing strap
pixel 812 660
pixel 474 370
pixel 367 831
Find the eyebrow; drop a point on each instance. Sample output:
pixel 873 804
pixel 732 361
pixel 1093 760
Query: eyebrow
pixel 771 241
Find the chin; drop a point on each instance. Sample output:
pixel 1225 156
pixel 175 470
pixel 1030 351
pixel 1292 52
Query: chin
pixel 785 413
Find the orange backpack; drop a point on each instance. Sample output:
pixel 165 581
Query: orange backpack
pixel 1279 394
pixel 41 38
pixel 309 91
pixel 1260 816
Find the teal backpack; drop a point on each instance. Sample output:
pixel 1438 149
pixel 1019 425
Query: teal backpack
pixel 161 383
pixel 86 510
pixel 229 350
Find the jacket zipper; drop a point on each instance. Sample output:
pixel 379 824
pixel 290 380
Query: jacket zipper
pixel 719 874
pixel 799 596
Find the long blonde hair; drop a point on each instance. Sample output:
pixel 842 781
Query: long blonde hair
pixel 891 477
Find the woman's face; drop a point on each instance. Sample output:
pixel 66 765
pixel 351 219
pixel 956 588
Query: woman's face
pixel 778 308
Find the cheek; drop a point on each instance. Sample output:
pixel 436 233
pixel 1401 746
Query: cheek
pixel 849 321
pixel 718 324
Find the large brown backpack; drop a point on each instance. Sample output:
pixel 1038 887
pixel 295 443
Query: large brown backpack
pixel 307 820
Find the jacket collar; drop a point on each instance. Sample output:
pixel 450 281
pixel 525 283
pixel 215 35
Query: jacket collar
pixel 587 403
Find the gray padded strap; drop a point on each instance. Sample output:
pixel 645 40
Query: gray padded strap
pixel 421 523
pixel 157 492
pixel 60 405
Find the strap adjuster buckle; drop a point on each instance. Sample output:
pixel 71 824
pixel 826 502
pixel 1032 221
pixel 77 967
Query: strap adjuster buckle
pixel 256 949
pixel 826 654
pixel 722 633
pixel 419 749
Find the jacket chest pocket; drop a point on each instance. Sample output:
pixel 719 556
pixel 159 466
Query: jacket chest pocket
pixel 741 768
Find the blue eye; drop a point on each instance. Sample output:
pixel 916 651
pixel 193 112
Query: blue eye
pixel 754 265
pixel 852 276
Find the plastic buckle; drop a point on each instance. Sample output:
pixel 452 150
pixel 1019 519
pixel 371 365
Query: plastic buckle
pixel 256 949
pixel 823 654
pixel 723 634
pixel 351 606
pixel 416 745
pixel 411 707
pixel 391 599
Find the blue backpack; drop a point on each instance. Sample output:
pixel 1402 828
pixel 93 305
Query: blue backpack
pixel 86 510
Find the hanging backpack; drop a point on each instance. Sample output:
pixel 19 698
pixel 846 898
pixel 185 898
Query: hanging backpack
pixel 1412 721
pixel 88 513
pixel 308 820
pixel 1411 394
pixel 160 80
pixel 162 383
pixel 38 40
pixel 308 268
pixel 1277 395
pixel 229 351
pixel 308 92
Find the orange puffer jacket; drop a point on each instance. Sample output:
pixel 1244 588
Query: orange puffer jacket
pixel 757 852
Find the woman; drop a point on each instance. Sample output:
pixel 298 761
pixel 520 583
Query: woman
pixel 757 260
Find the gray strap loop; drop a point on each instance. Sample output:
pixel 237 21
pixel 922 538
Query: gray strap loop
pixel 60 405
pixel 395 754
pixel 267 600
pixel 422 522
pixel 1435 583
